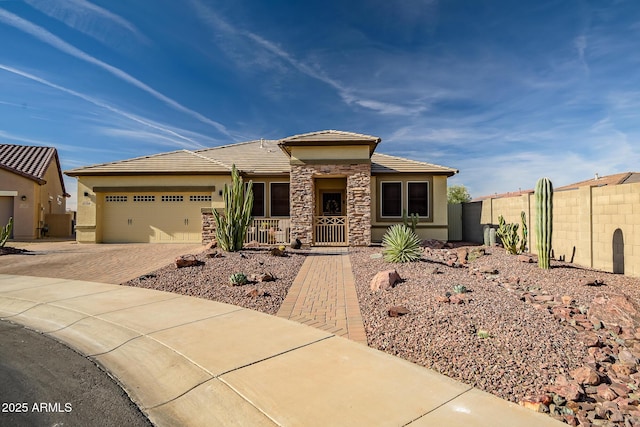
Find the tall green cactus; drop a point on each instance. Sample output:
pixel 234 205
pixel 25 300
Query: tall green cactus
pixel 231 227
pixel 544 218
pixel 5 232
pixel 525 232
pixel 414 220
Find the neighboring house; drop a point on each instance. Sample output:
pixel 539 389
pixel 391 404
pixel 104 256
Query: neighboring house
pixel 32 192
pixel 324 188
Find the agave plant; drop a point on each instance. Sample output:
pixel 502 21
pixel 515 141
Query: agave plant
pixel 238 279
pixel 401 244
pixel 460 289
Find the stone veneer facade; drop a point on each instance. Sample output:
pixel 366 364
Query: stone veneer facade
pixel 358 194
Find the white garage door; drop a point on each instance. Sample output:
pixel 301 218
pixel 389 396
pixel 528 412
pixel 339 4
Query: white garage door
pixel 153 217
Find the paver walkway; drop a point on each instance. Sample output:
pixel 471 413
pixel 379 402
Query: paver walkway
pixel 323 295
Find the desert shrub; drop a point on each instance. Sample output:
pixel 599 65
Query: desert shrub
pixel 238 279
pixel 401 244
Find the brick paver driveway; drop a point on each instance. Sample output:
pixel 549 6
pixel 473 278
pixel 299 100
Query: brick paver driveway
pixel 106 263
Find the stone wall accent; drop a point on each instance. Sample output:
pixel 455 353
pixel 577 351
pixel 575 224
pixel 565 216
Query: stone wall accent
pixel 358 194
pixel 208 226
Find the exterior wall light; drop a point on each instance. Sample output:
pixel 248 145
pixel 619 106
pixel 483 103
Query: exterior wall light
pixel 23 198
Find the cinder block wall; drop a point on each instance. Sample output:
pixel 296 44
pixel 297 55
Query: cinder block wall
pixel 584 223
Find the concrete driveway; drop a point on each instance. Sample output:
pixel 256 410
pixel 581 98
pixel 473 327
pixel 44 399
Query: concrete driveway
pixel 105 263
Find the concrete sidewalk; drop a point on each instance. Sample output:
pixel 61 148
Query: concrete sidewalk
pixel 188 361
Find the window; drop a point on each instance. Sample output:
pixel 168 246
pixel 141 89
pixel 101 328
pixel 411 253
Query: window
pixel 418 198
pixel 279 199
pixel 258 199
pixel 172 198
pixel 115 198
pixel 391 199
pixel 144 198
pixel 199 198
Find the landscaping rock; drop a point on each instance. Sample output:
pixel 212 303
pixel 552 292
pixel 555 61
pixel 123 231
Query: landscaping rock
pixel 186 261
pixel 384 280
pixel 586 375
pixel 296 244
pixel 526 258
pixel 266 277
pixel 615 310
pixel 277 252
pixel 397 311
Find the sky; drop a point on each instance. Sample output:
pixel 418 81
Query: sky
pixel 504 91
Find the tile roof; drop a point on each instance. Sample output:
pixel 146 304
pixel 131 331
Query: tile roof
pixel 384 163
pixel 29 161
pixel 332 136
pixel 260 157
pixel 596 181
pixel 174 162
pixel 599 181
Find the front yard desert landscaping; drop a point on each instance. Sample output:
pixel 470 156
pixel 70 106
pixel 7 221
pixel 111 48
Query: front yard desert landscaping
pixel 564 340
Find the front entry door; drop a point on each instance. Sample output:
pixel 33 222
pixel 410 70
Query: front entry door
pixel 330 226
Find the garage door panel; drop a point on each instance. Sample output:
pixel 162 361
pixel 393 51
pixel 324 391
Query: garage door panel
pixel 155 217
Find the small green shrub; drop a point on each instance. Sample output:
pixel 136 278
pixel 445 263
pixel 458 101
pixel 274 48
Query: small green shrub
pixel 460 289
pixel 238 279
pixel 5 232
pixel 401 244
pixel 483 334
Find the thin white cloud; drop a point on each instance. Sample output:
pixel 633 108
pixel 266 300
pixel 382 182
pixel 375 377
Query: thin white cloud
pixel 187 142
pixel 23 139
pixel 89 19
pixel 59 44
pixel 349 95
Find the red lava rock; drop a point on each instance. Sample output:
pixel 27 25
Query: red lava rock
pixel 620 389
pixel 536 403
pixel 186 261
pixel 455 299
pixel 462 254
pixel 570 419
pixel 585 375
pixel 525 258
pixel 397 311
pixel 605 392
pixel 543 298
pixel 384 280
pixel 567 299
pixel 443 299
pixel 616 310
pixel 570 390
pixel 621 370
pixel 626 357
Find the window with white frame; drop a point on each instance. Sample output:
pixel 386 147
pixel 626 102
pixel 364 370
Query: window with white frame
pixel 279 199
pixel 391 199
pixel 418 198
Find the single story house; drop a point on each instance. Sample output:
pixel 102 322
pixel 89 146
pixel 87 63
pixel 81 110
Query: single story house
pixel 324 188
pixel 32 192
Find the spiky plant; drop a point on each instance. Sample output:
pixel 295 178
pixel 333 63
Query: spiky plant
pixel 459 289
pixel 231 227
pixel 401 244
pixel 238 279
pixel 5 232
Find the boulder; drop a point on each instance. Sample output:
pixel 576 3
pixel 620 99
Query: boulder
pixel 462 254
pixel 397 311
pixel 296 244
pixel 277 252
pixel 186 261
pixel 526 258
pixel 585 375
pixel 605 392
pixel 266 277
pixel 615 310
pixel 251 244
pixel 384 280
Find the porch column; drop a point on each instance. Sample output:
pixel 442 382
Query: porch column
pixel 302 194
pixel 359 204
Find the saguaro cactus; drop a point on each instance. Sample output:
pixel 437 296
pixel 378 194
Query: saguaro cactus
pixel 544 217
pixel 5 232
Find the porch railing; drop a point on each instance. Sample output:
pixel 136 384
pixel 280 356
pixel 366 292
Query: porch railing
pixel 330 230
pixel 269 231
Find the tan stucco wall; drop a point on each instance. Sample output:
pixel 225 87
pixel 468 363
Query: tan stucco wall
pixel 89 214
pixel 584 221
pixel 29 214
pixel 434 227
pixel 24 212
pixel 351 152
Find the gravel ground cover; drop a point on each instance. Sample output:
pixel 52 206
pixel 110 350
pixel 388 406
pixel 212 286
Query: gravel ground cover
pixel 502 336
pixel 210 278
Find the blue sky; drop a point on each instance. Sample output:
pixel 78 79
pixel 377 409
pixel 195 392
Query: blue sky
pixel 504 91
